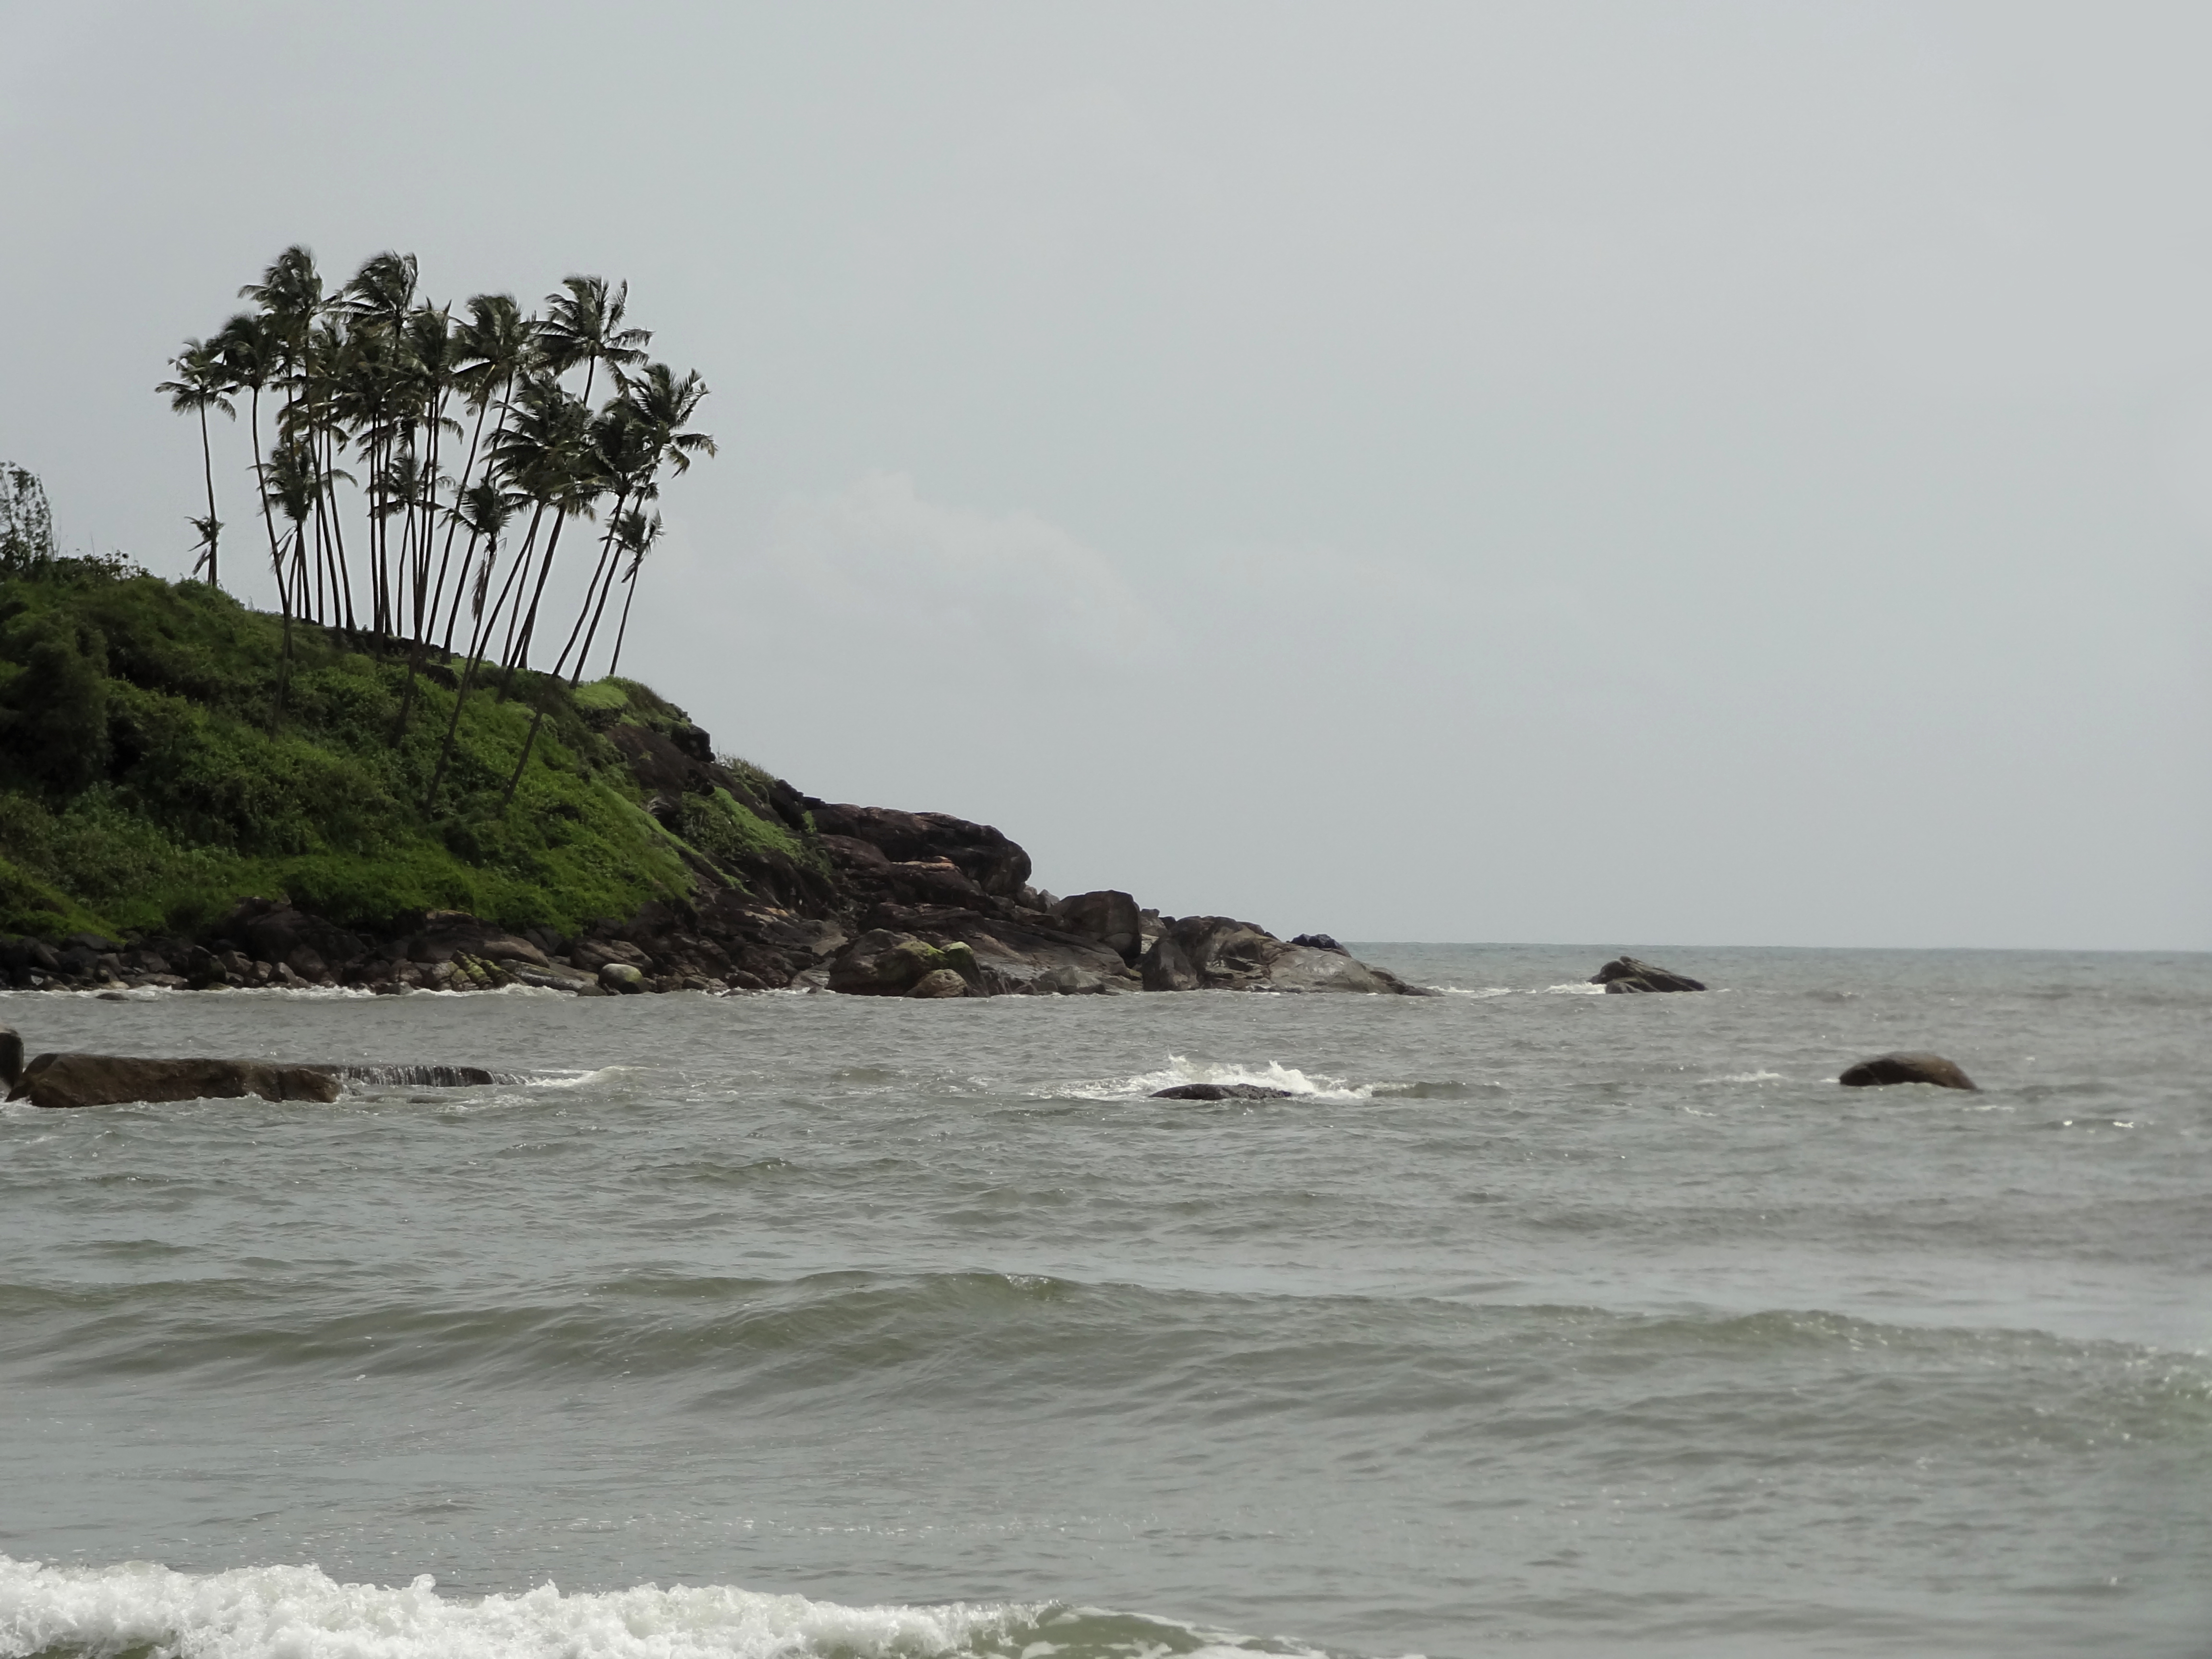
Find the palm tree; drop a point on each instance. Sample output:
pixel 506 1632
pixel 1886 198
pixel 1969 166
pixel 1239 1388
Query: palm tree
pixel 658 407
pixel 293 480
pixel 546 451
pixel 486 509
pixel 248 358
pixel 638 537
pixel 495 345
pixel 584 326
pixel 201 385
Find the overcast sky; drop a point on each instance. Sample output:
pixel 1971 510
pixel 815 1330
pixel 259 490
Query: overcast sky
pixel 1634 474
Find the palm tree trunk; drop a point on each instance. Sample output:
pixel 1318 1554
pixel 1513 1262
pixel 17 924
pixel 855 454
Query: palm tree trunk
pixel 207 464
pixel 261 481
pixel 598 570
pixel 624 628
pixel 521 656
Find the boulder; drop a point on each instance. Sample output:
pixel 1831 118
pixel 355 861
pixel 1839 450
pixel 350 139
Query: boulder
pixel 63 1080
pixel 1220 1091
pixel 593 954
pixel 1165 968
pixel 881 962
pixel 1626 973
pixel 1222 954
pixel 1320 942
pixel 996 865
pixel 940 983
pixel 621 977
pixel 1885 1069
pixel 1108 915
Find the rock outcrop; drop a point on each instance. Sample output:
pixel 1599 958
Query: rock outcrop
pixel 1885 1069
pixel 1627 974
pixel 860 900
pixel 1219 953
pixel 1220 1091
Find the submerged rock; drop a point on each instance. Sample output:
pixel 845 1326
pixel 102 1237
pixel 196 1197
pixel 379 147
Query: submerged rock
pixel 1885 1069
pixel 1220 1091
pixel 1627 974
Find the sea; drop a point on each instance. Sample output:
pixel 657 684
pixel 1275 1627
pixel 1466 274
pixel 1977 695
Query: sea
pixel 1531 1321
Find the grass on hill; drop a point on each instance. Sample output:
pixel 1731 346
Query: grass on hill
pixel 147 779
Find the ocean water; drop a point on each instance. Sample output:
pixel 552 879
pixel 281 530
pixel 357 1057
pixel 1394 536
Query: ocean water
pixel 1535 1321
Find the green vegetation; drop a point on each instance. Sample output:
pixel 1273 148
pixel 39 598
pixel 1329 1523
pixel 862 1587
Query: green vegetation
pixel 147 780
pixel 376 375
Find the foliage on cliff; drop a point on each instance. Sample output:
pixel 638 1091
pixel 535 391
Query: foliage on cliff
pixel 150 774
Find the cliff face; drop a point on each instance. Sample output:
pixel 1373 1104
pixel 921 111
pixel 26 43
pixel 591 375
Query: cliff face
pixel 182 804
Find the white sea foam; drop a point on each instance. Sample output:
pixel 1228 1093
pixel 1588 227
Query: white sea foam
pixel 1746 1076
pixel 300 1613
pixel 1575 988
pixel 1470 991
pixel 1273 1075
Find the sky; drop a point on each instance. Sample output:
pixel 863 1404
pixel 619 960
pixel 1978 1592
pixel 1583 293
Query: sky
pixel 1703 473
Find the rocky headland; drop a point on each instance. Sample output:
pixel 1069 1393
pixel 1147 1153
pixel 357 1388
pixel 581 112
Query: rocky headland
pixel 180 809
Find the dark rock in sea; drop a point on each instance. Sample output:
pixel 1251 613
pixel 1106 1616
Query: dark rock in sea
pixel 621 977
pixel 64 1080
pixel 1108 916
pixel 1885 1069
pixel 1320 942
pixel 1220 1091
pixel 1627 974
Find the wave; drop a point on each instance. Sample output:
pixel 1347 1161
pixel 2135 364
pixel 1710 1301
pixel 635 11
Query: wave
pixel 150 1612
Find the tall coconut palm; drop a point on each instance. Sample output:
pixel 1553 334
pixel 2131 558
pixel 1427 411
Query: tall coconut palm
pixel 486 509
pixel 202 383
pixel 294 479
pixel 658 407
pixel 638 537
pixel 627 453
pixel 248 356
pixel 584 325
pixel 546 451
pixel 376 303
pixel 496 344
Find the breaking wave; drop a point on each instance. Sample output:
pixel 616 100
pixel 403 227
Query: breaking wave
pixel 140 1608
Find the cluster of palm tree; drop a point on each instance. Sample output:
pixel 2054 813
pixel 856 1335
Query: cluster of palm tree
pixel 375 377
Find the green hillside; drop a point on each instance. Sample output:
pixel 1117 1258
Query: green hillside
pixel 159 760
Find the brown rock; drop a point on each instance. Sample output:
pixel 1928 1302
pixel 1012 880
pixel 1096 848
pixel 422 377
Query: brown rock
pixel 940 983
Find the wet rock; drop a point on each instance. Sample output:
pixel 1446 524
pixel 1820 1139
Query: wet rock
pixel 1626 974
pixel 623 978
pixel 1885 1069
pixel 1320 942
pixel 70 1080
pixel 940 983
pixel 1108 915
pixel 1220 1091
